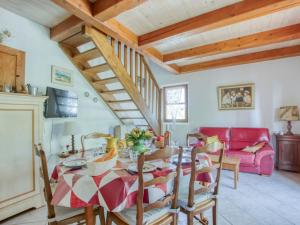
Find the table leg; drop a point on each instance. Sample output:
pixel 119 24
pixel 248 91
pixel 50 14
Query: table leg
pixel 235 177
pixel 89 215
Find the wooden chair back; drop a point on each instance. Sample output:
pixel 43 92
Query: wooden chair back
pixel 195 172
pixel 93 135
pixel 162 154
pixel 167 138
pixel 44 174
pixel 198 136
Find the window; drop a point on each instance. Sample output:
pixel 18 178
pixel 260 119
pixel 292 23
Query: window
pixel 176 103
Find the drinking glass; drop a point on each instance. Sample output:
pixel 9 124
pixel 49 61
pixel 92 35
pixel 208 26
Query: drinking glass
pixel 7 88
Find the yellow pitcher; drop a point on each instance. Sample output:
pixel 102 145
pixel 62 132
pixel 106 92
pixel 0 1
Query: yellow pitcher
pixel 111 144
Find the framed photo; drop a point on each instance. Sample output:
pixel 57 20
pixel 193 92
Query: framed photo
pixel 239 96
pixel 62 76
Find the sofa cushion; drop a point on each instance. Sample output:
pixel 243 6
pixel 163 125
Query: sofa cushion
pixel 254 148
pixel 242 137
pixel 245 157
pixel 223 133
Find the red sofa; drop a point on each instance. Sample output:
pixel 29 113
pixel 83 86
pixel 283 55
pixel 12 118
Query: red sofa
pixel 262 162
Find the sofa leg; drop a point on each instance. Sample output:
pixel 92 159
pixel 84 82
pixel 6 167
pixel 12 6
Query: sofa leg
pixel 264 175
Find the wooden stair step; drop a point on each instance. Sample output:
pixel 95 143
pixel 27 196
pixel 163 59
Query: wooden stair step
pixel 88 55
pixel 126 110
pixel 121 101
pixel 106 81
pixel 97 69
pixel 132 118
pixel 117 91
pixel 76 40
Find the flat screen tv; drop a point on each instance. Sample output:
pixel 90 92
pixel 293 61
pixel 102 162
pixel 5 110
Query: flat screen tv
pixel 60 103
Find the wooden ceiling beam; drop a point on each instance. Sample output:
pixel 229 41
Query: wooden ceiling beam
pixel 250 41
pixel 243 59
pixel 66 28
pixel 108 9
pixel 151 53
pixel 225 16
pixel 83 10
pixel 103 10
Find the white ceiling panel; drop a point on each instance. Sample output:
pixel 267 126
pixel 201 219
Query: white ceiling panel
pixel 260 24
pixel 155 14
pixel 44 12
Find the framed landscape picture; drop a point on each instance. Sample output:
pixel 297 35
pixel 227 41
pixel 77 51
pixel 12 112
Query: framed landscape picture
pixel 239 96
pixel 62 76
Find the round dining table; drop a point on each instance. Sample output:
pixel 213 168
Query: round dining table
pixel 115 189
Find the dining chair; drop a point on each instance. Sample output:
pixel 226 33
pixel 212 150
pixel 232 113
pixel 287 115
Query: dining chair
pixel 167 138
pixel 198 136
pixel 200 197
pixel 163 211
pixel 58 215
pixel 94 135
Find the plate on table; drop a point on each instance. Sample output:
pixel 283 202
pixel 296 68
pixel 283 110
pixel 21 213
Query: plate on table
pixel 75 163
pixel 148 167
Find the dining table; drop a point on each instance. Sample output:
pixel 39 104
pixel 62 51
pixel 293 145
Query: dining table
pixel 115 189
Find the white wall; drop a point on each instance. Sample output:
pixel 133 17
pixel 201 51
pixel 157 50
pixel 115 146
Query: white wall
pixel 41 53
pixel 277 83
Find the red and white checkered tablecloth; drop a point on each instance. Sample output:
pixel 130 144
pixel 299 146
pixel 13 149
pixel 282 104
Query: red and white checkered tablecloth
pixel 114 190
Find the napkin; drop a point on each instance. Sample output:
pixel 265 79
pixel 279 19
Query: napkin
pixel 107 156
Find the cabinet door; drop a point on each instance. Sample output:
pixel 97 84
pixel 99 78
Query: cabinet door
pixel 12 67
pixel 18 171
pixel 289 155
pixel 298 158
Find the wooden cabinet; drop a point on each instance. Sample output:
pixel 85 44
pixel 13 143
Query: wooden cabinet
pixel 288 152
pixel 21 126
pixel 12 68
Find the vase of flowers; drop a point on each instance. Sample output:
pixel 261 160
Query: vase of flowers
pixel 136 139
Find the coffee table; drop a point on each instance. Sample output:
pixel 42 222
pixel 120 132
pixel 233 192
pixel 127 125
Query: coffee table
pixel 229 163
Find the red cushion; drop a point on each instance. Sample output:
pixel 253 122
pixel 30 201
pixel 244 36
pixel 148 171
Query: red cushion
pixel 245 157
pixel 223 133
pixel 242 137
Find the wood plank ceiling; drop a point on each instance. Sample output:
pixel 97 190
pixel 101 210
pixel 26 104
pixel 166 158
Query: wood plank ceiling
pixel 185 36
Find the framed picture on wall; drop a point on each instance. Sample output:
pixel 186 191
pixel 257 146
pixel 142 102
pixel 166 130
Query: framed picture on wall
pixel 240 96
pixel 61 76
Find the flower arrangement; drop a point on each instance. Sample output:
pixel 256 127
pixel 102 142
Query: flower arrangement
pixel 4 34
pixel 137 137
pixel 122 144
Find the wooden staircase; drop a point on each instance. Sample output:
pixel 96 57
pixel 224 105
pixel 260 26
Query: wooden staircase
pixel 119 74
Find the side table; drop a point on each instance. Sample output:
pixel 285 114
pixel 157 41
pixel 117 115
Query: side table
pixel 229 163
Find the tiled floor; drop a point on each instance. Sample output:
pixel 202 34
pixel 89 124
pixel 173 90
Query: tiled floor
pixel 259 200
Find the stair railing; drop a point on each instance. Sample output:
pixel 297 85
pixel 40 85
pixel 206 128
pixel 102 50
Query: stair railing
pixel 140 74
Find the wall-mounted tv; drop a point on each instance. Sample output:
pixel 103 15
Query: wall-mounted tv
pixel 60 103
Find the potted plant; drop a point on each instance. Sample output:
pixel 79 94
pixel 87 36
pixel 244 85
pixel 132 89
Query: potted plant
pixel 136 139
pixel 4 35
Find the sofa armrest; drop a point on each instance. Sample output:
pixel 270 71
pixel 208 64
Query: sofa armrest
pixel 267 150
